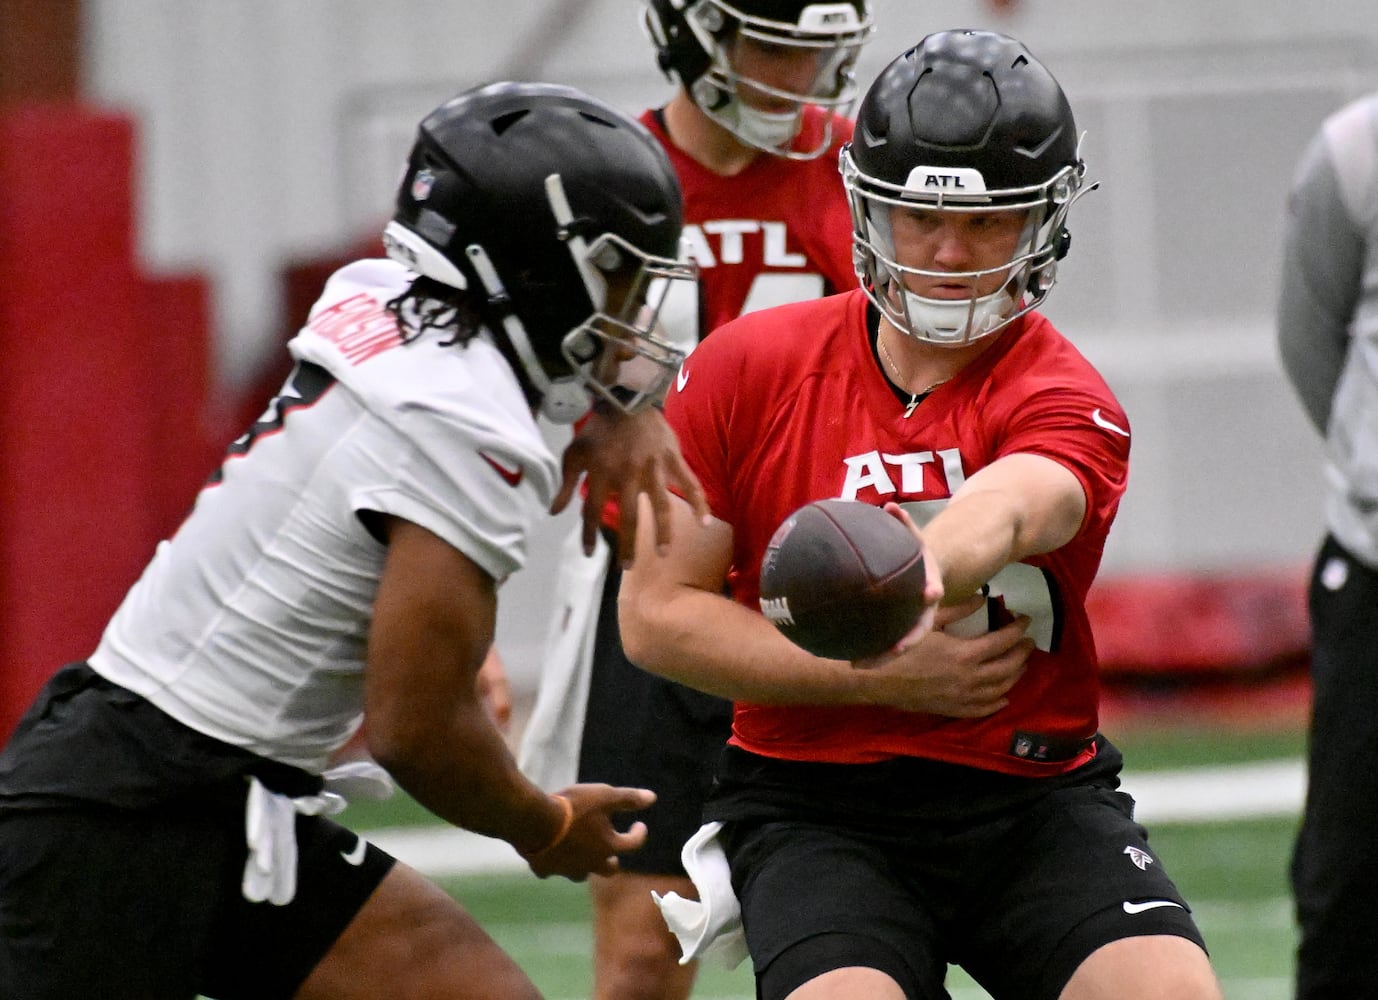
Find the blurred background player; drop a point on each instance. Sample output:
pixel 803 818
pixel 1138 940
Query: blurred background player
pixel 753 132
pixel 950 802
pixel 1327 329
pixel 346 557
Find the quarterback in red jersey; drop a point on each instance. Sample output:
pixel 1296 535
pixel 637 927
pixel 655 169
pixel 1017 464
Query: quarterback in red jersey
pixel 753 133
pixel 1028 393
pixel 950 801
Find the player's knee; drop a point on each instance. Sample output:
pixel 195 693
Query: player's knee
pixel 1151 967
pixel 642 966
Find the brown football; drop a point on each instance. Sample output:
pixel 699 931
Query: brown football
pixel 842 579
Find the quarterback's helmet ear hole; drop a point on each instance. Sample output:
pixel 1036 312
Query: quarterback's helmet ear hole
pixel 607 258
pixel 583 347
pixel 1042 281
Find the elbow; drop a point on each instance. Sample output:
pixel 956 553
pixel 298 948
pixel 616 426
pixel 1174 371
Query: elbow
pixel 636 628
pixel 400 735
pixel 390 746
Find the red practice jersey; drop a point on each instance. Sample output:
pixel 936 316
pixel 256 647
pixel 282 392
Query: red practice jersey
pixel 784 407
pixel 780 231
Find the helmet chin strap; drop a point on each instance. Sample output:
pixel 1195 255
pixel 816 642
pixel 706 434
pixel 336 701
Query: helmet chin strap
pixel 957 322
pixel 563 400
pixel 767 130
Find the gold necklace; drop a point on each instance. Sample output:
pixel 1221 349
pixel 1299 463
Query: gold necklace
pixel 914 397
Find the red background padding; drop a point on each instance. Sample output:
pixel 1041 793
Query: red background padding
pixel 104 391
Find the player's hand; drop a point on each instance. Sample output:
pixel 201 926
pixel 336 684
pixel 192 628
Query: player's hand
pixel 622 456
pixel 592 843
pixel 933 574
pixel 965 677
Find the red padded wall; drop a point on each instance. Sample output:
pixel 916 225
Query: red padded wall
pixel 96 361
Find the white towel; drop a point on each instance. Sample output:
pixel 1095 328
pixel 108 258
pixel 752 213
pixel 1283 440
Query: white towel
pixel 710 927
pixel 270 826
pixel 549 752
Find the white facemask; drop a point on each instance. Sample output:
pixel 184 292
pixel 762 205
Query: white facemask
pixel 955 322
pixel 766 128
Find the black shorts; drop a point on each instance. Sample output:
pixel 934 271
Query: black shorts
pixel 122 851
pixel 1335 863
pixel 645 731
pixel 908 866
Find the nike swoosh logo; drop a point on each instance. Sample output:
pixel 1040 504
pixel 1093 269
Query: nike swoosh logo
pixel 1100 421
pixel 356 856
pixel 512 477
pixel 682 379
pixel 1152 904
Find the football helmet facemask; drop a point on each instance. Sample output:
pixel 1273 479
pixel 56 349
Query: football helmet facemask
pixel 695 42
pixel 561 217
pixel 966 121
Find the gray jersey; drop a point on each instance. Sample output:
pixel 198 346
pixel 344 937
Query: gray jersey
pixel 1328 314
pixel 250 625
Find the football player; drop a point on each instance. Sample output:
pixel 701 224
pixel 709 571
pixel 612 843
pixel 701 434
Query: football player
pixel 950 801
pixel 1327 336
pixel 164 825
pixel 753 132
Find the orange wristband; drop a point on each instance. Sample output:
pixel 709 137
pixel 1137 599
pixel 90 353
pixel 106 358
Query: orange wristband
pixel 565 823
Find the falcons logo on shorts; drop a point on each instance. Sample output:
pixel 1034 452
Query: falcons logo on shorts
pixel 1142 859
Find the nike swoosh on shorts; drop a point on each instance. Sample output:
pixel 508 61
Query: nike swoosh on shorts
pixel 355 856
pixel 1152 904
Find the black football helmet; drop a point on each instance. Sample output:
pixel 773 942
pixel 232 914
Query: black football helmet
pixel 561 217
pixel 966 121
pixel 694 40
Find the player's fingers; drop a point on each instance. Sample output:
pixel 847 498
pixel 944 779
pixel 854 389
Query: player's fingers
pixel 623 799
pixel 571 469
pixel 948 613
pixel 933 577
pixel 592 513
pixel 690 489
pixel 1007 636
pixel 997 674
pixel 902 516
pixel 659 497
pixel 632 839
pixel 934 618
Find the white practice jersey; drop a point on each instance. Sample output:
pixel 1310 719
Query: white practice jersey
pixel 250 625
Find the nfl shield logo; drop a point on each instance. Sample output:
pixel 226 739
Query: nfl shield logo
pixel 421 184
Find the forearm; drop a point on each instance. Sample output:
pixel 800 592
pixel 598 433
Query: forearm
pixel 1019 506
pixel 462 771
pixel 709 642
pixel 427 725
pixel 971 540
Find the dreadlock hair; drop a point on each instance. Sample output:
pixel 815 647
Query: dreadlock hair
pixel 428 304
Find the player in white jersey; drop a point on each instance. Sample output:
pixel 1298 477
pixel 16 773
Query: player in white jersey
pixel 163 805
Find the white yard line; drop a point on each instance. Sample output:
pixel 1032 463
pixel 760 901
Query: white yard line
pixel 1190 795
pixel 1199 795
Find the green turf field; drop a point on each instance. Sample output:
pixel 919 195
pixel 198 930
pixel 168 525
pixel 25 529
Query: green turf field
pixel 1234 874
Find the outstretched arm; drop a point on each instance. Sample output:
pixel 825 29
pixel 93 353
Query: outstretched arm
pixel 1018 506
pixel 427 724
pixel 676 622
